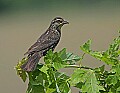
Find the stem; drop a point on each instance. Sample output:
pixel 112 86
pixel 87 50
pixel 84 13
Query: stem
pixel 81 59
pixel 76 66
pixel 30 76
pixel 86 67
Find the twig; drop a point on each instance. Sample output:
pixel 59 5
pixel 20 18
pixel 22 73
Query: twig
pixel 77 66
pixel 80 61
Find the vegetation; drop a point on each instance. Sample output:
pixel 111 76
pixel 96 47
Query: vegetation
pixel 47 78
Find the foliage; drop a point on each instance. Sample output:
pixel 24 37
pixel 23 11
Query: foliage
pixel 47 78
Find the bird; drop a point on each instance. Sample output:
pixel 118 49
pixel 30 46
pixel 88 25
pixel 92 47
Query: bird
pixel 48 40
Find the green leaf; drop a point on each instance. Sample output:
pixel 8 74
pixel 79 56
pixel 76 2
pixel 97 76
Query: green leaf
pixel 59 60
pixel 78 76
pixel 91 84
pixel 37 89
pixel 116 69
pixel 88 80
pixel 79 85
pixel 114 48
pixel 96 54
pixel 58 66
pixel 62 76
pixel 101 88
pixel 109 56
pixel 108 59
pixel 71 58
pixel 37 78
pixel 29 89
pixel 50 90
pixel 62 54
pixel 111 79
pixel 62 82
pixel 86 46
pixel 48 57
pixel 118 89
pixel 56 58
pixel 20 72
pixel 50 76
pixel 65 87
pixel 68 56
pixel 100 69
pixel 40 79
pixel 44 69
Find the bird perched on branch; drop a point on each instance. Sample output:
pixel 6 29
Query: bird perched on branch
pixel 46 41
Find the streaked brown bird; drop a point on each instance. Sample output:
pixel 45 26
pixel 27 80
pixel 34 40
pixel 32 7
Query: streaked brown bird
pixel 46 41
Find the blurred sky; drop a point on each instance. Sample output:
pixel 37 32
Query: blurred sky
pixel 23 21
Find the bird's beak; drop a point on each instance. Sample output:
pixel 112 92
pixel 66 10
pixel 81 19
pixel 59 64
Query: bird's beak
pixel 65 22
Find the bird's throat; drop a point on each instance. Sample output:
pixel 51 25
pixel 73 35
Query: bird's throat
pixel 55 28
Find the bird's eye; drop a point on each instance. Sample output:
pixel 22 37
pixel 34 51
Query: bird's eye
pixel 60 21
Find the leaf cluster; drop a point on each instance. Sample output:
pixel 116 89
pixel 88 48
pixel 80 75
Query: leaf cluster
pixel 47 78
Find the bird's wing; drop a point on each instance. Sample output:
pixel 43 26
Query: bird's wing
pixel 45 41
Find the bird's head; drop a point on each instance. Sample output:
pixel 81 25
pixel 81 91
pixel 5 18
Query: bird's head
pixel 58 22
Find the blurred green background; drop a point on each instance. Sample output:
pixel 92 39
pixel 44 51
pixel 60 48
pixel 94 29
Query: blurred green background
pixel 23 21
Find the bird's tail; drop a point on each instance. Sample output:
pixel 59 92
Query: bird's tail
pixel 31 63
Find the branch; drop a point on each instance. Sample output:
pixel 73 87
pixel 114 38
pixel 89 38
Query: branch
pixel 76 66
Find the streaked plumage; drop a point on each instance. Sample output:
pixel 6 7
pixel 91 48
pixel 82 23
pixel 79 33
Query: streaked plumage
pixel 46 41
